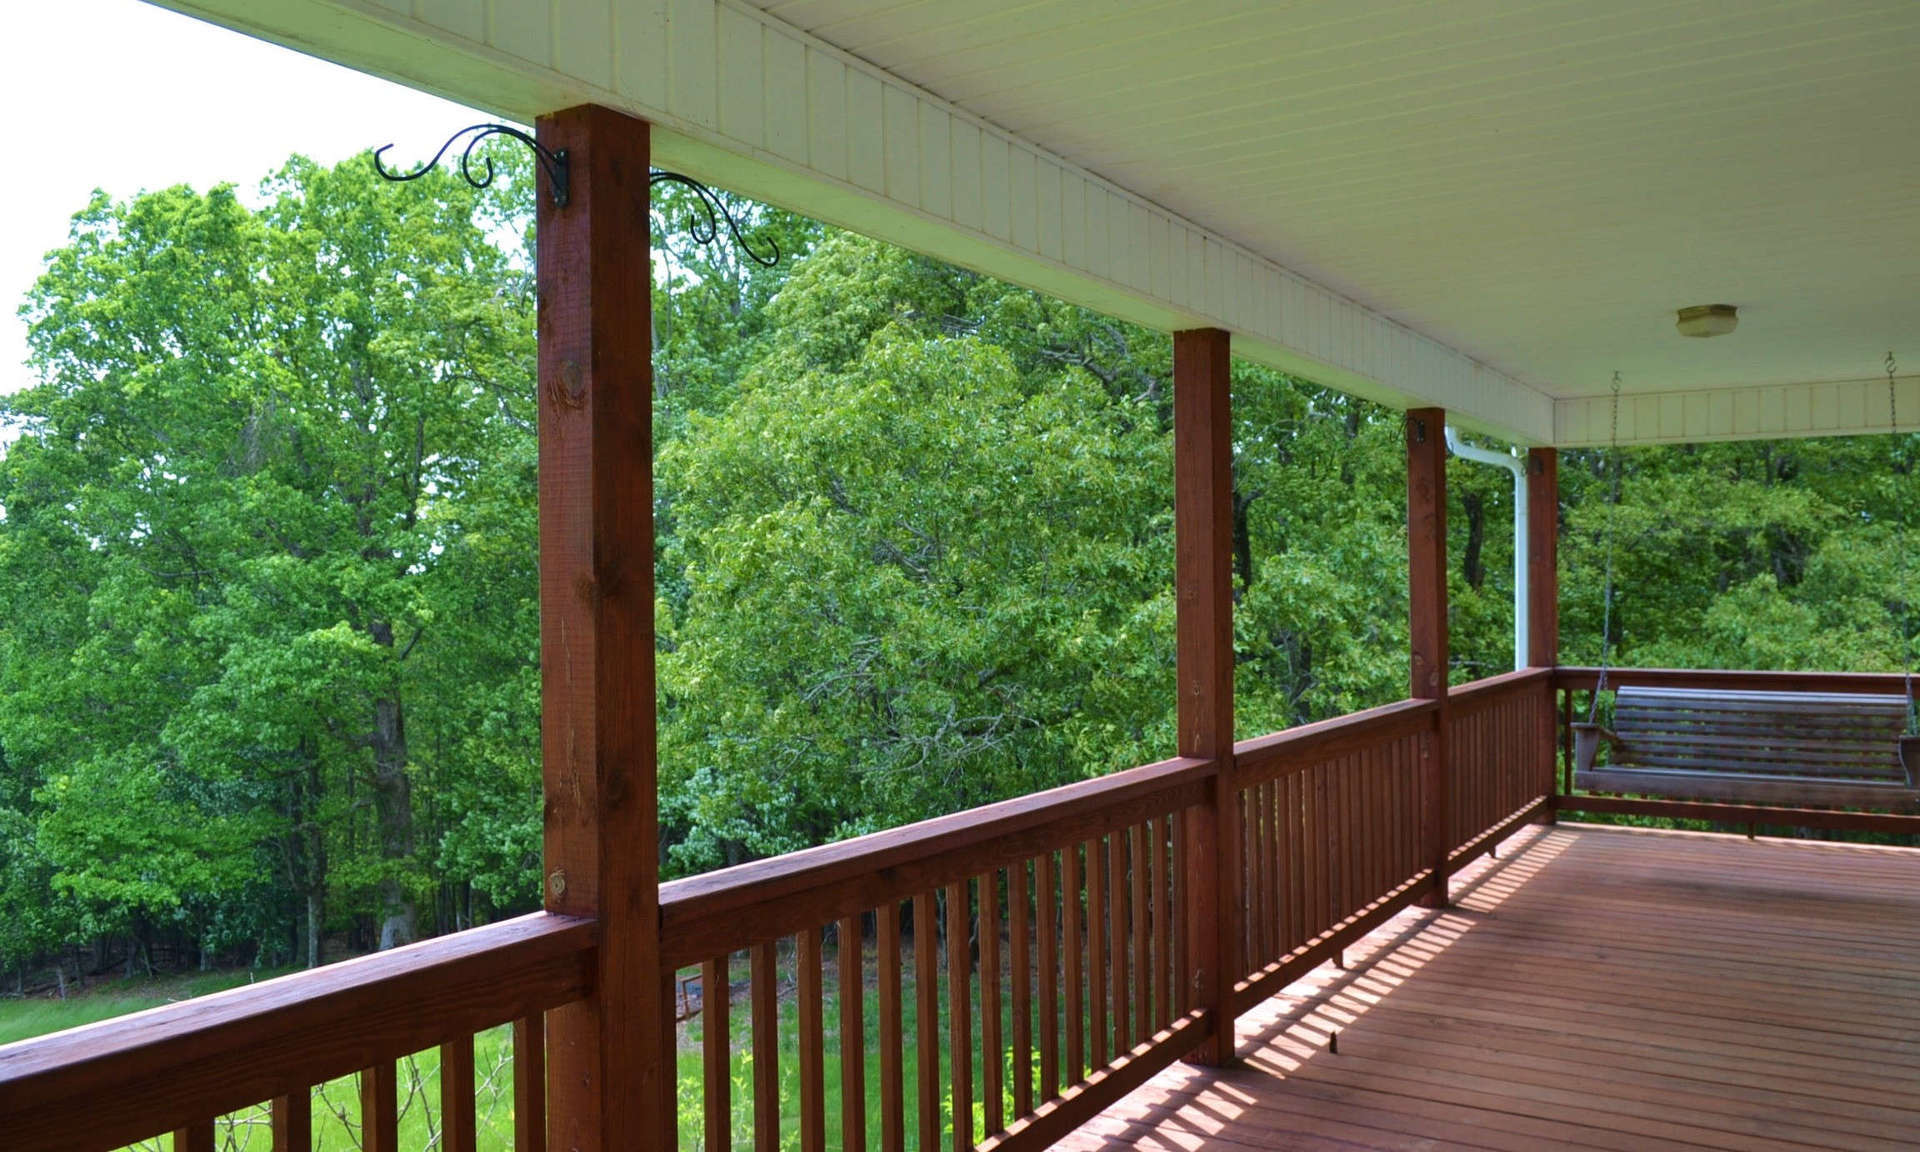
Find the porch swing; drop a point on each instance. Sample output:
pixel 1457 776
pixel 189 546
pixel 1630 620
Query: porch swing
pixel 1792 749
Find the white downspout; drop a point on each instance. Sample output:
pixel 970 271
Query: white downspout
pixel 1512 464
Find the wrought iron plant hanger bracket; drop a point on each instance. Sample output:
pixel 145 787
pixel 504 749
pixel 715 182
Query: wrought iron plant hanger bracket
pixel 554 163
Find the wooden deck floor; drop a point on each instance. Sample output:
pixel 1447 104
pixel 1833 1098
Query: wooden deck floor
pixel 1595 988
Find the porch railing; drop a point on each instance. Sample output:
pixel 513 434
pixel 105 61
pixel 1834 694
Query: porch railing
pixel 1499 757
pixel 174 1069
pixel 1022 965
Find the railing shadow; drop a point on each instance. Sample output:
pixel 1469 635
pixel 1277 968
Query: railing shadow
pixel 1303 1023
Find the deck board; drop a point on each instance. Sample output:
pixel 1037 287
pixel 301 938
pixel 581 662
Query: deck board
pixel 1593 988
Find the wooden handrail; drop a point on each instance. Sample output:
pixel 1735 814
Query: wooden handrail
pixel 1466 696
pixel 733 908
pixel 108 1084
pixel 1265 757
pixel 1584 679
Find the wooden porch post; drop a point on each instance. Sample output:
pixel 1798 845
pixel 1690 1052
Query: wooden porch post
pixel 610 1063
pixel 1427 599
pixel 1203 531
pixel 1543 564
pixel 1543 597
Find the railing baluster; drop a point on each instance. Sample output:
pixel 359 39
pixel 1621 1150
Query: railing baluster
pixel 853 1039
pixel 1258 833
pixel 457 1132
pixel 530 1084
pixel 766 1048
pixel 1364 815
pixel 992 1051
pixel 716 1052
pixel 1479 738
pixel 1138 880
pixel 1301 834
pixel 1274 902
pixel 893 1108
pixel 1409 802
pixel 1399 866
pixel 1279 870
pixel 1370 813
pixel 1117 937
pixel 1327 803
pixel 926 995
pixel 813 1043
pixel 1356 800
pixel 1252 849
pixel 1339 851
pixel 1154 884
pixel 291 1117
pixel 1357 822
pixel 1332 812
pixel 1070 945
pixel 1045 908
pixel 1396 761
pixel 1386 788
pixel 1164 906
pixel 380 1108
pixel 1399 795
pixel 1486 786
pixel 1242 958
pixel 1020 979
pixel 1283 870
pixel 1313 853
pixel 1352 851
pixel 1183 960
pixel 195 1137
pixel 960 1015
pixel 1396 765
pixel 1096 964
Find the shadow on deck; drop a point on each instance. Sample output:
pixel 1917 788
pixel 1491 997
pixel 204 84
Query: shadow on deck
pixel 1596 988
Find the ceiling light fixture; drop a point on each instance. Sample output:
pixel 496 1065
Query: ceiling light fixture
pixel 1708 320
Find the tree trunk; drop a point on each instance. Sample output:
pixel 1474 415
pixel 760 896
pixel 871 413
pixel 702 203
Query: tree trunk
pixel 1242 540
pixel 1473 567
pixel 393 809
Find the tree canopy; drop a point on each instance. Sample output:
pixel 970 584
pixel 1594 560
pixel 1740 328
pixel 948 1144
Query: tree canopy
pixel 268 655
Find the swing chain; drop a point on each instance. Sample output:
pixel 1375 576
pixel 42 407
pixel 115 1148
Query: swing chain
pixel 1606 599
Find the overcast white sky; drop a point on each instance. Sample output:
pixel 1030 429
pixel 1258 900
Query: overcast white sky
pixel 119 95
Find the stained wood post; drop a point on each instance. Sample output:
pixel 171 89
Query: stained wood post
pixel 1543 599
pixel 1427 600
pixel 610 1062
pixel 1543 570
pixel 1203 533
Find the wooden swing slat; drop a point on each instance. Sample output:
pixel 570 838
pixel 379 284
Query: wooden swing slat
pixel 1841 750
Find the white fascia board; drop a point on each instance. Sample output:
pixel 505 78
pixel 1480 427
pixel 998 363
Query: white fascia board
pixel 1770 412
pixel 745 102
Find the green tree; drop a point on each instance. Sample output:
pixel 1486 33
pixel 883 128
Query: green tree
pixel 267 453
pixel 917 578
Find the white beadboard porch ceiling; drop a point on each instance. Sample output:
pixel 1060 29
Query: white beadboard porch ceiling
pixel 1537 184
pixel 1489 205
